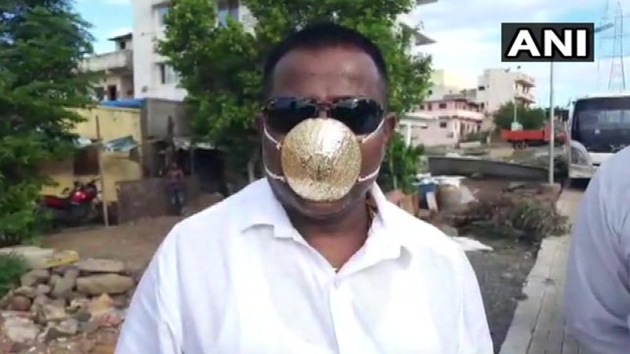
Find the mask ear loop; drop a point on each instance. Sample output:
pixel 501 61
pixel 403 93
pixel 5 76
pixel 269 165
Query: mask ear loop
pixel 278 147
pixel 361 141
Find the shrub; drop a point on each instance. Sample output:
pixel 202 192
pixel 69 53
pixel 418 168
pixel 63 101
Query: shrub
pixel 12 267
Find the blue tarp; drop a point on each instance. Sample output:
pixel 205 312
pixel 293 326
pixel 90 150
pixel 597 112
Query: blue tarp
pixel 135 103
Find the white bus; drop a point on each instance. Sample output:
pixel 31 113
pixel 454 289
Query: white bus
pixel 598 127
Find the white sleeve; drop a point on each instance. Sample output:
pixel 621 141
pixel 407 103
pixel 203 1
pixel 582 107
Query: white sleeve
pixel 474 334
pixel 597 292
pixel 152 324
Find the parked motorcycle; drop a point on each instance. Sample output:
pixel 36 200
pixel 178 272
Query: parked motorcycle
pixel 78 206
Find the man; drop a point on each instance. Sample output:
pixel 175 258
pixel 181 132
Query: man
pixel 312 259
pixel 597 293
pixel 175 186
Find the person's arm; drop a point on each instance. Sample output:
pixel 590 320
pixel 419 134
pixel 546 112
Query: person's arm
pixel 597 291
pixel 474 334
pixel 152 324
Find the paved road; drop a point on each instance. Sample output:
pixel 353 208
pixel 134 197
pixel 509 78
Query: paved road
pixel 538 324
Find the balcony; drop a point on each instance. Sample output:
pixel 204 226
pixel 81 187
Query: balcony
pixel 525 80
pixel 121 60
pixel 525 97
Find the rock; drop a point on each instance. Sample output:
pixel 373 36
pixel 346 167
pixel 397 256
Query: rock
pixel 34 277
pixel 71 272
pixel 42 258
pixel 63 329
pixel 25 291
pixel 20 330
pixel 64 285
pixel 101 305
pixel 50 312
pixel 19 303
pixel 82 316
pixel 104 284
pixel 54 279
pixel 95 265
pixel 43 289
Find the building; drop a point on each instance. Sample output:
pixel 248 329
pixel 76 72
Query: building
pixel 446 83
pixel 496 87
pixel 153 78
pixel 116 69
pixel 443 122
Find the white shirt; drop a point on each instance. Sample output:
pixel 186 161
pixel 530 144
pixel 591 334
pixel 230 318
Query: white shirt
pixel 238 278
pixel 597 294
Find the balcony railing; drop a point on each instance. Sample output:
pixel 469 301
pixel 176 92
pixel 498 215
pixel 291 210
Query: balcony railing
pixel 525 80
pixel 119 60
pixel 525 96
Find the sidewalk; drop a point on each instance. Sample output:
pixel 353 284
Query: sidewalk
pixel 538 323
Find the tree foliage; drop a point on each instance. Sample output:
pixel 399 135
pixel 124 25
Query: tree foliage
pixel 400 166
pixel 221 65
pixel 529 118
pixel 41 46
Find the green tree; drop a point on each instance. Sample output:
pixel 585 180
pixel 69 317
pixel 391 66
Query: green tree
pixel 220 65
pixel 400 166
pixel 529 118
pixel 41 46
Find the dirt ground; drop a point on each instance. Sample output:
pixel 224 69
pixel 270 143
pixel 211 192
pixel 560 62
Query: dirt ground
pixel 134 243
pixel 501 273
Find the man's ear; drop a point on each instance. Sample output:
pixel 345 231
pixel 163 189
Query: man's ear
pixel 391 122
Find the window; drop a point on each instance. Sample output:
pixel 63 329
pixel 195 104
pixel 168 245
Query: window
pixel 162 11
pixel 443 125
pixel 442 105
pixel 421 106
pixel 481 88
pixel 227 9
pixel 112 93
pixel 167 74
pixel 99 93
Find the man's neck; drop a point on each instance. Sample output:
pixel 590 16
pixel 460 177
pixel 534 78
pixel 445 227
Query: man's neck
pixel 343 226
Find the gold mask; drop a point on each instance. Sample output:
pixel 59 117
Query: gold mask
pixel 321 159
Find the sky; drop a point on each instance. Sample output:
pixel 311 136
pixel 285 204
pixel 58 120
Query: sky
pixel 467 38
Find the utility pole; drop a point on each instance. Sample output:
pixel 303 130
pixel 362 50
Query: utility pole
pixel 552 128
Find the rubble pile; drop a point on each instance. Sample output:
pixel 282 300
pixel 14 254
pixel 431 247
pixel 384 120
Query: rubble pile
pixel 58 302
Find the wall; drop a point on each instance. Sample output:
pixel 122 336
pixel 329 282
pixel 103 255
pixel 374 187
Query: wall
pixel 499 86
pixel 114 123
pixel 436 132
pixel 157 113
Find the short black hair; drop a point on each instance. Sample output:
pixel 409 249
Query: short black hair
pixel 323 35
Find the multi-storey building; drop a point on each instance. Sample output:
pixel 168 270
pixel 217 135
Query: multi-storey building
pixel 497 87
pixel 116 70
pixel 444 121
pixel 153 78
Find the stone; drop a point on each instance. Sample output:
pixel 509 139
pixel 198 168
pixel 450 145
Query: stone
pixel 41 300
pixel 50 312
pixel 64 285
pixel 95 265
pixel 63 329
pixel 104 284
pixel 25 291
pixel 54 279
pixel 71 272
pixel 101 305
pixel 19 303
pixel 34 277
pixel 20 330
pixel 43 289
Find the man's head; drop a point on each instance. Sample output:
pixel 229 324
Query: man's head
pixel 330 71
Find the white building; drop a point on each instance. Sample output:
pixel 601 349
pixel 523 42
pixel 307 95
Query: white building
pixel 115 68
pixel 496 87
pixel 446 121
pixel 155 79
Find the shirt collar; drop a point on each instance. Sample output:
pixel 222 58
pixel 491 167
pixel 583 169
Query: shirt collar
pixel 264 209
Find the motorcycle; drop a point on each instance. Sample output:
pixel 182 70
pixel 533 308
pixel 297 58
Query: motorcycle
pixel 78 206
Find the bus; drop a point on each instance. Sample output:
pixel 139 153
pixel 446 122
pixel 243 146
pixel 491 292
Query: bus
pixel 598 127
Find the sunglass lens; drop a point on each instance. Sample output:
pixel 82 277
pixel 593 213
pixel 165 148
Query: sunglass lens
pixel 362 116
pixel 283 114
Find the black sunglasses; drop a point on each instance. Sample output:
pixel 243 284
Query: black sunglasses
pixel 361 115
